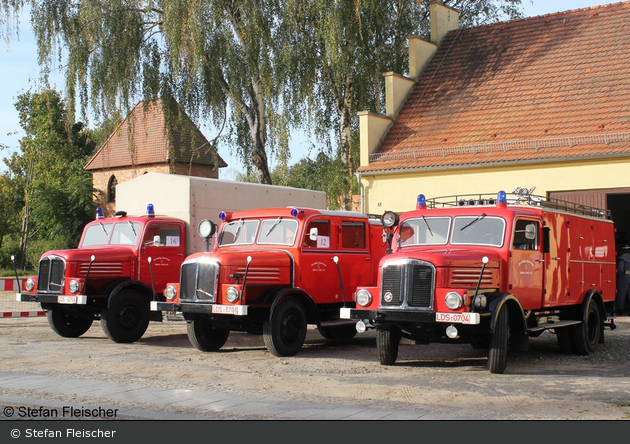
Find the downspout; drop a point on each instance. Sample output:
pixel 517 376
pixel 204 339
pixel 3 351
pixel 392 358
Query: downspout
pixel 358 175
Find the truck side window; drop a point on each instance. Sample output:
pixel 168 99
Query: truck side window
pixel 525 235
pixel 169 236
pixel 323 234
pixel 353 235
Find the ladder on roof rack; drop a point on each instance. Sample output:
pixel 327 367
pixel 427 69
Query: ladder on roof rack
pixel 518 199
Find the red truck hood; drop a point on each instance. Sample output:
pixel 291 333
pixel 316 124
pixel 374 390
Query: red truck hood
pixel 238 258
pixel 447 257
pixel 110 254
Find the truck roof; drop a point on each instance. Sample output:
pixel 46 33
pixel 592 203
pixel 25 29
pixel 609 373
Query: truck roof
pixel 292 212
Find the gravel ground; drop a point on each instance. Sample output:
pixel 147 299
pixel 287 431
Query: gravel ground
pixel 539 384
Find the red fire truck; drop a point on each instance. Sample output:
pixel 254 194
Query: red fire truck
pixel 121 264
pixel 274 271
pixel 492 271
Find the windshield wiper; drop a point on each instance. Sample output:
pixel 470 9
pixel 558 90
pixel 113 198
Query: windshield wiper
pixel 238 229
pixel 273 226
pixel 427 224
pixel 481 216
pixel 132 228
pixel 103 227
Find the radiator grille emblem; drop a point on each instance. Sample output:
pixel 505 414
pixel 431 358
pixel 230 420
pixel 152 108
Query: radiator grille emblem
pixel 388 297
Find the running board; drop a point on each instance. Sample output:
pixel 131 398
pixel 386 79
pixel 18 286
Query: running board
pixel 551 325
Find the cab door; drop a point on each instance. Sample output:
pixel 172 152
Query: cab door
pixel 526 263
pixel 165 244
pixel 318 273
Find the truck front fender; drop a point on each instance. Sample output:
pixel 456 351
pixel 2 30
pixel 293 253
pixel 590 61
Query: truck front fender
pixel 518 323
pixel 138 286
pixel 302 296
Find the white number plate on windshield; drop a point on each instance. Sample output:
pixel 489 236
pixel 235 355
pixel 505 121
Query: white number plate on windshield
pixel 458 318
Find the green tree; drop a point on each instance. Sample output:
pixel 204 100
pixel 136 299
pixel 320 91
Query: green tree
pixel 214 57
pixel 346 45
pixel 56 192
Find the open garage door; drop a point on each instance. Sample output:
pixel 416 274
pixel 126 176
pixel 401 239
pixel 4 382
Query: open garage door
pixel 617 200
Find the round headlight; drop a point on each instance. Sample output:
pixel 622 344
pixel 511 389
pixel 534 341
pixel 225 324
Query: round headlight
pixel 30 284
pixel 389 219
pixel 73 286
pixel 363 298
pixel 170 292
pixel 453 300
pixel 231 294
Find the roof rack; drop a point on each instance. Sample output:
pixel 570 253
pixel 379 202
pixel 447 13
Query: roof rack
pixel 522 199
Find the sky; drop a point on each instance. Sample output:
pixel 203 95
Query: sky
pixel 19 72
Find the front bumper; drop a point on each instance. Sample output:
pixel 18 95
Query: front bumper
pixel 193 307
pixel 410 316
pixel 52 299
pixel 387 316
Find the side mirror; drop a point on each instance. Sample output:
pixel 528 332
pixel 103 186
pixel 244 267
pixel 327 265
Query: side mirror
pixel 530 231
pixel 312 235
pixel 156 240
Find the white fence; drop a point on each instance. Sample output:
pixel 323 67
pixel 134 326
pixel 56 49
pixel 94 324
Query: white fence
pixel 10 307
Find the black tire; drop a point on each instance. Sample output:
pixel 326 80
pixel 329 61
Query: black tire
pixel 204 336
pixel 343 333
pixel 499 343
pixel 284 335
pixel 387 344
pixel 586 336
pixel 127 318
pixel 67 325
pixel 565 339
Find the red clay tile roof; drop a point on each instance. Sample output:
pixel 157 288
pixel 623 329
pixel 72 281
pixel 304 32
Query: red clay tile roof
pixel 518 91
pixel 140 140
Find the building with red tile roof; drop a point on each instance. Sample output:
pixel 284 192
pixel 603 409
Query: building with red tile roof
pixel 539 102
pixel 143 143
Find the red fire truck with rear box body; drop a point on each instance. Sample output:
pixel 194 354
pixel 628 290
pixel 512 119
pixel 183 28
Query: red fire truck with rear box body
pixel 273 271
pixel 492 271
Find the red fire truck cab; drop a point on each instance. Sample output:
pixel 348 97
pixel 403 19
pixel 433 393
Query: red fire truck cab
pixel 492 271
pixel 113 275
pixel 274 271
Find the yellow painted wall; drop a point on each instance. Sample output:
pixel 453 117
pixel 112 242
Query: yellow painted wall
pixel 398 192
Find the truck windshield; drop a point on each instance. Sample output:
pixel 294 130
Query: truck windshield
pixel 424 231
pixel 239 232
pixel 277 231
pixel 478 230
pixel 122 233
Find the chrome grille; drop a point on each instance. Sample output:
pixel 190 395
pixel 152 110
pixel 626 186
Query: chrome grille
pixel 50 275
pixel 408 284
pixel 198 282
pixel 393 277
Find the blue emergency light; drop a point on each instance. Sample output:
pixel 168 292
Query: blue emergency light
pixel 502 198
pixel 150 210
pixel 99 213
pixel 421 203
pixel 294 212
pixel 222 215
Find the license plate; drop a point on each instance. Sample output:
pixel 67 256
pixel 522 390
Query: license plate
pixel 67 299
pixel 238 310
pixel 81 300
pixel 458 318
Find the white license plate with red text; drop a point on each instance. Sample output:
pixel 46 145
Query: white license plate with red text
pixel 238 310
pixel 80 300
pixel 458 318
